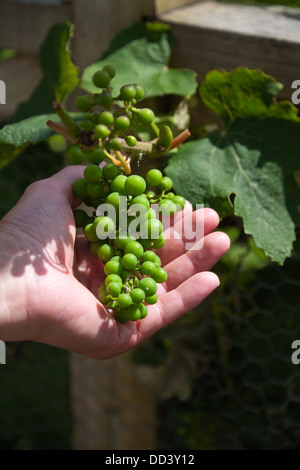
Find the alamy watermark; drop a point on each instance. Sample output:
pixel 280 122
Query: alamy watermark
pixel 2 92
pixel 140 222
pixel 296 354
pixel 2 352
pixel 296 95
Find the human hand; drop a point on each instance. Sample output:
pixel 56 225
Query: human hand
pixel 49 279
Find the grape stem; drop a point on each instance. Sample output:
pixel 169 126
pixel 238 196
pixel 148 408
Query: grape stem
pixel 151 148
pixel 70 125
pixel 60 129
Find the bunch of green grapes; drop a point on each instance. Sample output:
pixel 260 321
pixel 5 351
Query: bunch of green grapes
pixel 125 237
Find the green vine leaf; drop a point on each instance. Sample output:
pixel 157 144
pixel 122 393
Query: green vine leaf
pixel 247 167
pixel 141 54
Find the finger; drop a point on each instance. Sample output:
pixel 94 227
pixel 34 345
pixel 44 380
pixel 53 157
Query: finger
pixel 204 255
pixel 88 268
pixel 63 181
pixel 177 302
pixel 188 229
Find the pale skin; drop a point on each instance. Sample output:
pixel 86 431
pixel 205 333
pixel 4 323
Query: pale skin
pixel 49 279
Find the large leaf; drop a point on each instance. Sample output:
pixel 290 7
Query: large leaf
pixel 60 76
pixel 141 54
pixel 247 167
pixel 31 130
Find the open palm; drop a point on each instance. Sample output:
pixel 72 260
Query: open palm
pixel 55 277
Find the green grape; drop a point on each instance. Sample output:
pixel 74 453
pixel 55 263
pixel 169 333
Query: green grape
pixel 146 244
pixel 166 184
pixel 80 188
pixel 149 256
pixel 102 294
pixel 109 171
pixel 179 201
pixel 139 92
pixel 167 207
pixel 106 118
pixel 134 312
pixel 122 239
pixel 104 227
pixel 113 278
pixel 95 189
pixel 122 123
pixel 117 258
pixel 154 177
pixel 157 261
pixel 128 92
pixel 118 184
pixel 101 131
pixel 88 125
pixel 114 289
pixel 131 141
pixel 129 261
pixel 144 311
pixel 159 242
pixel 115 144
pixel 151 300
pixel 90 233
pixel 104 99
pixel 148 285
pixel 101 79
pixel 110 70
pixel 80 217
pixel 137 295
pixel 147 268
pixel 135 185
pixel 121 315
pixel 114 200
pixel 75 155
pixel 146 116
pixel 124 300
pixel 159 275
pixel 113 267
pixel 92 173
pixel 83 103
pixel 105 252
pixel 96 156
pixel 152 228
pixel 135 248
pixel 93 246
pixel 141 200
pixel 165 137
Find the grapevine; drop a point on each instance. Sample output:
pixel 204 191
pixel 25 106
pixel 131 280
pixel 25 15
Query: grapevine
pixel 127 237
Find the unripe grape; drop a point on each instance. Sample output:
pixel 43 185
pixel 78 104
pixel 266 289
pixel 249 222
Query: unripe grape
pixel 75 155
pixel 135 185
pixel 154 177
pixel 104 99
pixel 106 118
pixel 124 300
pixel 122 123
pixel 166 184
pixel 129 261
pixel 96 156
pixel 101 79
pixel 101 131
pixel 92 173
pixel 139 92
pixel 128 92
pixel 118 184
pixel 109 171
pixel 80 188
pixel 83 103
pixel 131 141
pixel 110 70
pixel 146 116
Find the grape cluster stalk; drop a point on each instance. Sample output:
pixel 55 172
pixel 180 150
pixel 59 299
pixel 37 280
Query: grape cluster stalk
pixel 126 235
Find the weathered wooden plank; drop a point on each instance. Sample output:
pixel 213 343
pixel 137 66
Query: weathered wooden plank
pixel 213 35
pixel 21 75
pixel 23 26
pixel 112 408
pixel 166 5
pixel 97 22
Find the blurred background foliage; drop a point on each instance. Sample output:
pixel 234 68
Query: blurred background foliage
pixel 224 376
